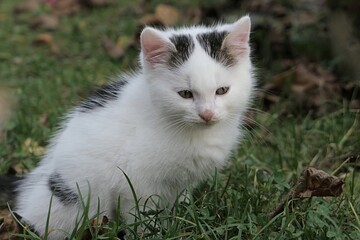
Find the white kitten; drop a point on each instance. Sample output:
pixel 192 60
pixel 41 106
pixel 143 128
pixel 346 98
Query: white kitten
pixel 170 125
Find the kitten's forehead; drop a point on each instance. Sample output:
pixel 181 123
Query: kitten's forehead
pixel 195 30
pixel 210 40
pixel 184 44
pixel 227 44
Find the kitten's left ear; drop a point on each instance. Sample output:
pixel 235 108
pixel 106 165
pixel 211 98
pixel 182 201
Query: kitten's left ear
pixel 155 46
pixel 237 41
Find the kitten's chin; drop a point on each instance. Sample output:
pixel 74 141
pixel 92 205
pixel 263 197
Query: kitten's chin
pixel 203 124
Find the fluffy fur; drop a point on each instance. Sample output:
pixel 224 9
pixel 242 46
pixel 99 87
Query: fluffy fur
pixel 163 141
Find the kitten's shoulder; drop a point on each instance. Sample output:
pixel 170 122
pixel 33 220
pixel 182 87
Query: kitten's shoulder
pixel 105 93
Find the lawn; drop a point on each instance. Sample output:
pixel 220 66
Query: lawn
pixel 45 71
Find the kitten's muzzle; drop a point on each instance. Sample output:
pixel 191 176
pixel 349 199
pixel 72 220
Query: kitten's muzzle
pixel 206 115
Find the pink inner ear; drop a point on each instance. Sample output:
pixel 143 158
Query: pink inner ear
pixel 156 48
pixel 238 39
pixel 155 53
pixel 242 37
pixel 238 45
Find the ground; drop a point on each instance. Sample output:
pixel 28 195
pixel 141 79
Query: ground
pixel 305 114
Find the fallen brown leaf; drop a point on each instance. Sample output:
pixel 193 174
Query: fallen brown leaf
pixel 305 79
pixel 125 41
pixel 48 40
pixel 44 119
pixel 27 6
pixel 18 169
pixel 113 49
pixel 313 183
pixel 42 38
pixel 168 15
pixel 45 22
pixel 8 225
pixel 307 84
pixel 193 15
pixel 65 7
pixel 96 225
pixel 317 183
pixel 149 20
pixel 31 146
pixel 344 38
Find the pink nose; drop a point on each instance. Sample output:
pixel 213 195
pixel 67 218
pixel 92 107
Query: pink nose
pixel 206 115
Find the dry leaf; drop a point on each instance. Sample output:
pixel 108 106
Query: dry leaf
pixel 114 50
pixel 168 15
pixel 272 98
pixel 27 6
pixel 317 183
pixel 278 80
pixel 47 39
pixel 43 119
pixel 193 15
pixel 96 225
pixel 305 79
pixel 44 38
pixel 100 222
pixel 125 41
pixel 279 10
pixel 8 225
pixel 313 183
pixel 45 22
pixel 31 146
pixel 309 84
pixel 355 104
pixel 65 7
pixel 18 169
pixel 6 105
pixel 150 20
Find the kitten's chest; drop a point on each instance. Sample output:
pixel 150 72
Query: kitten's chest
pixel 196 156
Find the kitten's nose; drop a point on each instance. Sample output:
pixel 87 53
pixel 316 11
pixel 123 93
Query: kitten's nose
pixel 206 115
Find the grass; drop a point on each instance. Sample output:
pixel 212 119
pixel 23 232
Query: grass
pixel 236 202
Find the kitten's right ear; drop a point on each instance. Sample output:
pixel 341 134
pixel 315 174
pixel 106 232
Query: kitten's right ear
pixel 237 41
pixel 155 46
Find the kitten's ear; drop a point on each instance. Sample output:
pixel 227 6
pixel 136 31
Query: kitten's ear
pixel 155 46
pixel 237 41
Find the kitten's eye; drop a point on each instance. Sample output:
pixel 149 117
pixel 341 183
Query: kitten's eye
pixel 222 90
pixel 186 94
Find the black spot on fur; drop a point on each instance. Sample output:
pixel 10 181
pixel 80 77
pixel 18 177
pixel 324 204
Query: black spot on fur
pixel 8 185
pixel 22 225
pixel 185 46
pixel 102 96
pixel 211 42
pixel 61 190
pixel 121 235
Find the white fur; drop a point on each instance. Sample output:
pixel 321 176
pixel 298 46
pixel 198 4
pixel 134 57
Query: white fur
pixel 150 133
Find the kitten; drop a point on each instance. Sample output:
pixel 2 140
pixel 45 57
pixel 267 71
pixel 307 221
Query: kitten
pixel 168 126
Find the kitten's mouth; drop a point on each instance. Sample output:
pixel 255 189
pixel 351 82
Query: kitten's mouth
pixel 201 123
pixel 206 124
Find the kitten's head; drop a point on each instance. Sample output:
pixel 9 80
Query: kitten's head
pixel 199 75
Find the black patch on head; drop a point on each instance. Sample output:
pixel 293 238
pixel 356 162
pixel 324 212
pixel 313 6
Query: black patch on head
pixel 184 45
pixel 211 42
pixel 61 190
pixel 102 96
